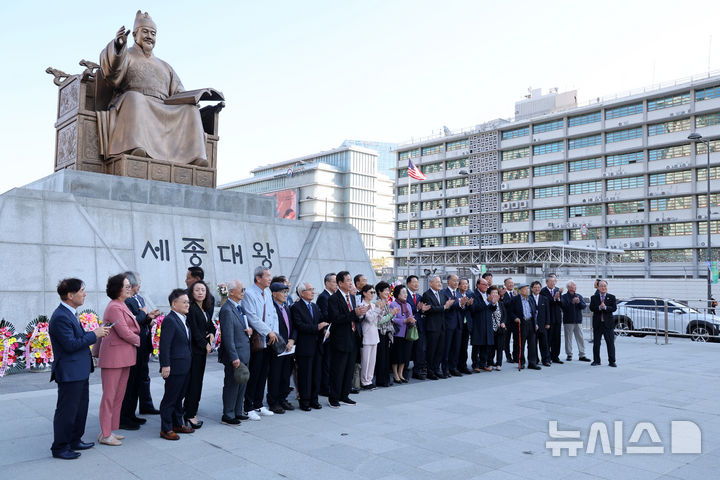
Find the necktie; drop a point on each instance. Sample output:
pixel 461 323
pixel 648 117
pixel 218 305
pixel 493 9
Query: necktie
pixel 310 308
pixel 602 298
pixel 347 297
pixel 437 296
pixel 239 309
pixel 415 298
pixel 264 306
pixel 285 317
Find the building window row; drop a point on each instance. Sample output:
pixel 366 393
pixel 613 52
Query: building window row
pixel 517 216
pixel 669 127
pixel 624 158
pixel 545 192
pixel 550 169
pixel 585 187
pixel 669 101
pixel 549 213
pixel 518 132
pixel 623 135
pixel 549 148
pixel 516 153
pixel 515 174
pixel 707 93
pixel 582 142
pixel 624 111
pixel 549 126
pixel 584 119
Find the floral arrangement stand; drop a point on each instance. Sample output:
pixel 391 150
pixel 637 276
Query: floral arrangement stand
pixel 155 335
pixel 11 348
pixel 38 349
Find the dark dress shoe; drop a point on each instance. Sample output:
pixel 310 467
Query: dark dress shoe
pixel 546 364
pixel 534 367
pixel 568 358
pixel 316 405
pixel 418 376
pixel 287 405
pixel 334 403
pixel 594 364
pixel 192 425
pixel 242 417
pixel 277 409
pixel 66 455
pixel 229 420
pixel 455 373
pixel 129 426
pixel 613 364
pixel 170 435
pixel 138 420
pixel 465 371
pixel 82 445
pixel 183 429
pixel 348 401
pixel 584 359
pixel 305 408
pixel 152 411
pixel 354 391
pixel 432 376
pixel 558 361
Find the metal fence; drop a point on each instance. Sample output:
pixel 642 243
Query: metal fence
pixel 662 318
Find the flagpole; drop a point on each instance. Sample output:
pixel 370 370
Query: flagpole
pixel 408 225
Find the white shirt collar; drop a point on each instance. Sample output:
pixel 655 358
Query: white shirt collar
pixel 182 317
pixel 233 302
pixel 72 310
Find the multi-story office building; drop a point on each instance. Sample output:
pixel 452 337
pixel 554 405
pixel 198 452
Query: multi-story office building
pixel 340 185
pixel 624 168
pixel 386 154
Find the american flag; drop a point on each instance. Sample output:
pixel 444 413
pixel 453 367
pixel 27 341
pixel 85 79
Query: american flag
pixel 414 171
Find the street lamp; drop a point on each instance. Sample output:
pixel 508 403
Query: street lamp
pixel 696 137
pixel 326 203
pixel 465 173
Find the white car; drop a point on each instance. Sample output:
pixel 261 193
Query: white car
pixel 648 314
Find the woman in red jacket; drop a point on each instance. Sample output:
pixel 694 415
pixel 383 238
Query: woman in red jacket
pixel 117 355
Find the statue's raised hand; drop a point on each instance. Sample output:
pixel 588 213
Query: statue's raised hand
pixel 121 37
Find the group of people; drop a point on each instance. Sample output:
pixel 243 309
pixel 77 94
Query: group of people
pixel 353 336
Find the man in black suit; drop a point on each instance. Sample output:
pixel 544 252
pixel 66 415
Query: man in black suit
pixel 543 321
pixel 603 304
pixel 175 365
pixel 465 316
pixel 322 304
pixel 523 311
pixel 71 370
pixel 435 327
pixel 418 349
pixel 512 331
pixel 195 274
pixel 278 383
pixel 308 326
pixel 552 293
pixel 453 326
pixel 344 317
pixel 138 387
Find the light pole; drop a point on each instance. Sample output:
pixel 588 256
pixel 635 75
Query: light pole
pixel 326 203
pixel 696 137
pixel 465 173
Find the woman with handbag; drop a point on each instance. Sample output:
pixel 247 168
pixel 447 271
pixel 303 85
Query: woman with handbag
pixel 386 330
pixel 202 339
pixel 117 353
pixel 499 321
pixel 404 320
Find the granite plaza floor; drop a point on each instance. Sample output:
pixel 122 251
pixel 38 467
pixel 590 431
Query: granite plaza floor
pixel 488 425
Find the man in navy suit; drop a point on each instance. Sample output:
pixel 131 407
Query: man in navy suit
pixel 523 312
pixel 344 317
pixel 308 326
pixel 465 318
pixel 175 365
pixel 414 299
pixel 278 382
pixel 234 348
pixel 71 370
pixel 512 331
pixel 453 326
pixel 322 304
pixel 435 326
pixel 542 318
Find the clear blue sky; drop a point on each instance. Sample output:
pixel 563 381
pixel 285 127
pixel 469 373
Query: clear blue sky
pixel 301 76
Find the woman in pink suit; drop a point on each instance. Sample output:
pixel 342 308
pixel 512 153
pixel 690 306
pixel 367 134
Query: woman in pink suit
pixel 117 355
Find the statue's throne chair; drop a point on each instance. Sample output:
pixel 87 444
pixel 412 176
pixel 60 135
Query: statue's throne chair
pixel 78 144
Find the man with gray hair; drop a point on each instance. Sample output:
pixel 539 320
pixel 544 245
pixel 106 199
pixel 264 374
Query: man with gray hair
pixel 308 324
pixel 234 349
pixel 261 314
pixel 572 305
pixel 138 386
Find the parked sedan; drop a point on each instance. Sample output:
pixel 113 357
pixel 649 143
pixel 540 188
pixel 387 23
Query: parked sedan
pixel 648 314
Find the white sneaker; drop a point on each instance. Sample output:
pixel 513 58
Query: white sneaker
pixel 264 412
pixel 252 415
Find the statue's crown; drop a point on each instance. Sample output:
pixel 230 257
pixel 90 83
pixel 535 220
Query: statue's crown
pixel 143 20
